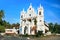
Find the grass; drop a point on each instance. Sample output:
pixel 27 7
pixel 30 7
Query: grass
pixel 2 28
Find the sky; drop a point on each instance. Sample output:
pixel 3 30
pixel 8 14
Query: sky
pixel 12 9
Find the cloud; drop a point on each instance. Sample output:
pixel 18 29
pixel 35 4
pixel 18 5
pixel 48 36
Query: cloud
pixel 16 20
pixel 52 17
pixel 53 14
pixel 12 20
pixel 53 5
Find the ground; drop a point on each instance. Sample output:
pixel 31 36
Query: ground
pixel 26 38
pixel 47 38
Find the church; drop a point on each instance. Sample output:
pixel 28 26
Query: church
pixel 32 21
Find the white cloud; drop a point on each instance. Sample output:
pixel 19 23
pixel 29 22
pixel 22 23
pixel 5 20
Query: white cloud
pixel 16 20
pixel 53 5
pixel 53 17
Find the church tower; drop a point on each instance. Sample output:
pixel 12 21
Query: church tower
pixel 40 19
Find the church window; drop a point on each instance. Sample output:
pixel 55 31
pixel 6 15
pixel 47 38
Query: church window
pixel 30 9
pixel 29 14
pixel 29 20
pixel 22 16
pixel 39 13
pixel 25 29
pixel 40 20
pixel 24 20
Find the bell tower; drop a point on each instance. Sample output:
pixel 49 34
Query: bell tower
pixel 41 14
pixel 40 10
pixel 40 19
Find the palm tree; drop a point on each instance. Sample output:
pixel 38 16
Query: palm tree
pixel 1 16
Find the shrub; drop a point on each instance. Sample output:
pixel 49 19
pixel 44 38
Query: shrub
pixel 39 33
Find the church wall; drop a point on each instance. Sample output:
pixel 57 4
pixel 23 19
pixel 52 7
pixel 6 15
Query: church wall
pixel 27 20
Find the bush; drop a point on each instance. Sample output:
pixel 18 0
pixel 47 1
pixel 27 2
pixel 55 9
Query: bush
pixel 2 28
pixel 39 33
pixel 26 35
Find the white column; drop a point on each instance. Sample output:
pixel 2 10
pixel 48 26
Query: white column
pixel 29 30
pixel 23 30
pixel 32 22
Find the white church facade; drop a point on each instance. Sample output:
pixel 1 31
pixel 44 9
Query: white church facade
pixel 32 22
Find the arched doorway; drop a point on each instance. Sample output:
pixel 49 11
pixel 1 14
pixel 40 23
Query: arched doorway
pixel 25 29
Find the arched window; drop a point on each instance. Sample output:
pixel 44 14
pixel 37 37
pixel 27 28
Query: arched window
pixel 40 20
pixel 29 14
pixel 39 13
pixel 21 16
pixel 25 29
pixel 30 9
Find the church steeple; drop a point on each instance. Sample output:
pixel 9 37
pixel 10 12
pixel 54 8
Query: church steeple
pixel 30 5
pixel 23 10
pixel 30 9
pixel 40 10
pixel 40 6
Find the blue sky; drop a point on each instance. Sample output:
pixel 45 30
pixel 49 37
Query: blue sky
pixel 12 9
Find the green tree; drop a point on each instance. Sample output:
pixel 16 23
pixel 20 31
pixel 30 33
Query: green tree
pixel 2 28
pixel 8 25
pixel 1 16
pixel 15 25
pixel 56 28
pixel 51 27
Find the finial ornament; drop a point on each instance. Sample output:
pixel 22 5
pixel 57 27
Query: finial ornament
pixel 30 5
pixel 40 5
pixel 23 9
